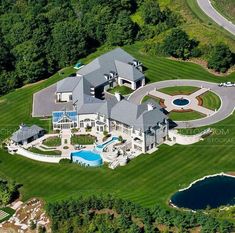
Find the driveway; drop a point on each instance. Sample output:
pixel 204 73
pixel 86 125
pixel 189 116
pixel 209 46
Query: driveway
pixel 226 94
pixel 210 11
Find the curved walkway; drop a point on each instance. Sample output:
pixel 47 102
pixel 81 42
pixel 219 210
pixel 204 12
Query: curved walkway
pixel 226 94
pixel 210 11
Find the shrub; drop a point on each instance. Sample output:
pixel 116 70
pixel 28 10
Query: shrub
pixel 120 138
pixel 220 58
pixel 65 161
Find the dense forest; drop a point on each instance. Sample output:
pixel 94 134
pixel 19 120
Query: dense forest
pixel 111 215
pixel 38 37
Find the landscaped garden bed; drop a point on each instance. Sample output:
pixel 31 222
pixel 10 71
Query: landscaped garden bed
pixel 123 90
pixel 52 141
pixel 85 139
pixel 38 151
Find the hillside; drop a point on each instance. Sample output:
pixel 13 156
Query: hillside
pixel 226 8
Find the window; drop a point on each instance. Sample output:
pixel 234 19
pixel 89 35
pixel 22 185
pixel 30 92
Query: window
pixel 70 97
pixel 81 125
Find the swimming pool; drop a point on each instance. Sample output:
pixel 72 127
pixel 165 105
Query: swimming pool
pixel 105 144
pixel 87 158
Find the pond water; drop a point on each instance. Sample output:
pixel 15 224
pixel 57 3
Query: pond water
pixel 213 191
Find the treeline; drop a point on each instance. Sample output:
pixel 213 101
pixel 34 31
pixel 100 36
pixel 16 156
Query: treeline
pixel 109 214
pixel 39 37
pixel 8 192
pixel 178 44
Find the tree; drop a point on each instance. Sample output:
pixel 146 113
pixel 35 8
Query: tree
pixel 151 12
pixel 69 42
pixel 31 65
pixel 123 31
pixel 178 44
pixel 220 58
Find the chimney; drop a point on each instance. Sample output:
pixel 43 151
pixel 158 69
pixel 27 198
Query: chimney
pixel 118 96
pixel 150 107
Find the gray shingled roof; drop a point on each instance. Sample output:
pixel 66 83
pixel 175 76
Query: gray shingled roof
pixel 67 84
pixel 92 75
pixel 26 132
pixel 127 71
pixel 116 60
pixel 137 116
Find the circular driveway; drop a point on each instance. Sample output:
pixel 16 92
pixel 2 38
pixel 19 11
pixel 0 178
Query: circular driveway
pixel 226 94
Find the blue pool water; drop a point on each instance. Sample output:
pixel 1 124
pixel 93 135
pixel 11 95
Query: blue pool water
pixel 181 102
pixel 105 144
pixel 213 191
pixel 87 158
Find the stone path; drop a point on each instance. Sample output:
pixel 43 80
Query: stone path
pixel 226 94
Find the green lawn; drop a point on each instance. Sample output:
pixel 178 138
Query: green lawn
pixel 16 107
pixel 123 90
pixel 42 152
pixel 210 100
pixel 147 179
pixel 226 8
pixel 52 141
pixel 82 140
pixel 181 90
pixel 147 98
pixel 185 116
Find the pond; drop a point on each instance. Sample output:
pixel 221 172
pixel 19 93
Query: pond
pixel 213 192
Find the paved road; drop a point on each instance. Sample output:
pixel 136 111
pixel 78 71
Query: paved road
pixel 227 95
pixel 209 10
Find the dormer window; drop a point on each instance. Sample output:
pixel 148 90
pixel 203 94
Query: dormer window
pixel 112 74
pixel 106 76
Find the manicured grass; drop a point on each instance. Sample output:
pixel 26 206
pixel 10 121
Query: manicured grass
pixel 82 140
pixel 160 68
pixel 181 90
pixel 52 141
pixel 147 98
pixel 9 211
pixel 123 90
pixel 210 100
pixel 185 116
pixel 16 107
pixel 226 8
pixel 148 179
pixel 42 152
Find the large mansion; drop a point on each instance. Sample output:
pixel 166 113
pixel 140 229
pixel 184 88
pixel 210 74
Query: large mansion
pixel 83 96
